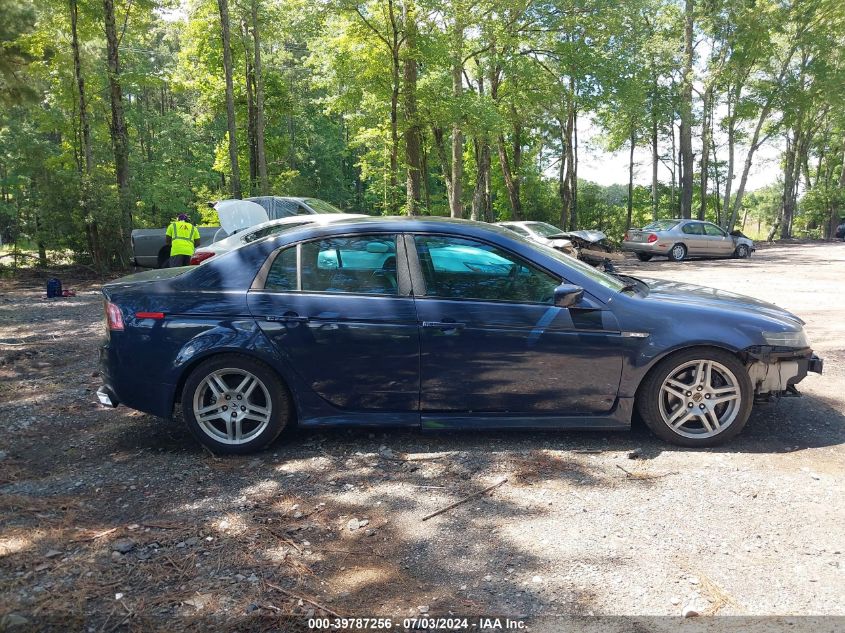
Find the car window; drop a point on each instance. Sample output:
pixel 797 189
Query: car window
pixel 282 274
pixel 321 206
pixel 692 228
pixel 545 229
pixel 661 225
pixel 517 229
pixel 363 264
pixel 271 230
pixel 712 229
pixel 458 268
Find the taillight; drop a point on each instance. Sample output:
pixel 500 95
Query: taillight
pixel 114 317
pixel 625 237
pixel 156 316
pixel 652 238
pixel 200 257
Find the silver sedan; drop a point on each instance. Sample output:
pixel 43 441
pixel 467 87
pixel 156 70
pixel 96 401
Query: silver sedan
pixel 680 239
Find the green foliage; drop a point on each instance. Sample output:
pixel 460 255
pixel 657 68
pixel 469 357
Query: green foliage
pixel 329 79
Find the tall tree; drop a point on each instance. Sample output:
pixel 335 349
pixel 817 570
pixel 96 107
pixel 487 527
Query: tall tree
pixel 687 168
pixel 235 177
pixel 260 150
pixel 119 134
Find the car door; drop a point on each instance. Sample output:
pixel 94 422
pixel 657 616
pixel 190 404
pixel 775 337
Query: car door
pixel 339 315
pixel 719 243
pixel 694 238
pixel 491 339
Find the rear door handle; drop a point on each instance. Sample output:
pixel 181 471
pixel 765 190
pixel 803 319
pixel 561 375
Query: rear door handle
pixel 443 325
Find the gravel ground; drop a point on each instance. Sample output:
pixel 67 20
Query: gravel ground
pixel 114 520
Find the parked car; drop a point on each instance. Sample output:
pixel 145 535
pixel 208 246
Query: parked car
pixel 149 249
pixel 254 226
pixel 588 246
pixel 542 233
pixel 680 239
pixel 440 324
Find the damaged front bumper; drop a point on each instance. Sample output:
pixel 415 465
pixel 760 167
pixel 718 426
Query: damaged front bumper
pixel 775 371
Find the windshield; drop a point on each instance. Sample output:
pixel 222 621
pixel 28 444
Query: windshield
pixel 321 206
pixel 273 230
pixel 544 229
pixel 661 225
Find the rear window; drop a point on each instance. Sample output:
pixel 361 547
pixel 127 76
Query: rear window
pixel 273 230
pixel 661 225
pixel 321 206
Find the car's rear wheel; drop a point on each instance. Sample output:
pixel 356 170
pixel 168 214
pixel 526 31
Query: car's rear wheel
pixel 234 404
pixel 742 251
pixel 699 397
pixel 644 257
pixel 678 253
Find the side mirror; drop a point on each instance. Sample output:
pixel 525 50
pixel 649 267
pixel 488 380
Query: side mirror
pixel 567 295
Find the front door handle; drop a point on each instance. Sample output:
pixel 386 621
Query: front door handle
pixel 288 317
pixel 443 325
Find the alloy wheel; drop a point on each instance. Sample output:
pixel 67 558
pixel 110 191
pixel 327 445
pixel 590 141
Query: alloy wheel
pixel 232 406
pixel 678 252
pixel 700 399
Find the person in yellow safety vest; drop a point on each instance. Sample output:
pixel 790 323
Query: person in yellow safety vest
pixel 182 237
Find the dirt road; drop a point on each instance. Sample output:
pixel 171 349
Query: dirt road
pixel 113 520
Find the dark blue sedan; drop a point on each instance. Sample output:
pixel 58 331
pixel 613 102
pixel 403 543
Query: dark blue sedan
pixel 439 324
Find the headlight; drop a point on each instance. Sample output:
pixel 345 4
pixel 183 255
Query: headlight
pixel 787 339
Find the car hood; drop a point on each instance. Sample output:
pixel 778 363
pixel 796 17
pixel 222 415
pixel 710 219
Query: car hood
pixel 676 291
pixel 237 215
pixel 588 236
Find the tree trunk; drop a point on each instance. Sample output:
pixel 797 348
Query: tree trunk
pixel 456 209
pixel 705 151
pixel 631 181
pixel 510 171
pixel 445 169
pixel 674 171
pixel 573 173
pixel 84 125
pixel 756 142
pixel 260 153
pixel 120 143
pixel 250 127
pixel 235 179
pixel 655 192
pixel 686 115
pixel 837 211
pixel 412 129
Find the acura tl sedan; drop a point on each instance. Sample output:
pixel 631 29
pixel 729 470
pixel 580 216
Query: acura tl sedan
pixel 680 239
pixel 437 324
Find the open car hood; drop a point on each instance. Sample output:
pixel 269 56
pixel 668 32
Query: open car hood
pixel 237 215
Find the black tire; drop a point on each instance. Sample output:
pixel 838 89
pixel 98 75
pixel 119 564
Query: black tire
pixel 644 257
pixel 742 252
pixel 269 394
pixel 650 392
pixel 677 253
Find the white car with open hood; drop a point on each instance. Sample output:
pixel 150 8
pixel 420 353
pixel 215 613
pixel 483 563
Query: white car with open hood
pixel 245 221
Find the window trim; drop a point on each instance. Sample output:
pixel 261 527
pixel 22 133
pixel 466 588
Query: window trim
pixel 403 278
pixel 418 278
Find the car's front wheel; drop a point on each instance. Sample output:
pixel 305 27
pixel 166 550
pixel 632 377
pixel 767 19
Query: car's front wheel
pixel 644 257
pixel 234 404
pixel 699 397
pixel 742 251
